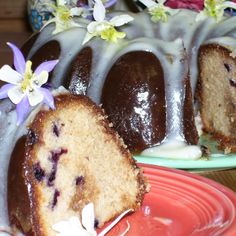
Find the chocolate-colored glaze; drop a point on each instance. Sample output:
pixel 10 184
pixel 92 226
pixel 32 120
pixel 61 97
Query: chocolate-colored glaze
pixel 27 46
pixel 49 51
pixel 79 72
pixel 133 97
pixel 18 200
pixel 190 131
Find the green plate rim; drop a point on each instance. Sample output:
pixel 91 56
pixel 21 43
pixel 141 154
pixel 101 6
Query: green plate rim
pixel 214 161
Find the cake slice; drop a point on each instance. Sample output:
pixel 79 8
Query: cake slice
pixel 217 93
pixel 73 157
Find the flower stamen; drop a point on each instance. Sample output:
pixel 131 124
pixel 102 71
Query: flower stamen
pixel 28 75
pixel 215 9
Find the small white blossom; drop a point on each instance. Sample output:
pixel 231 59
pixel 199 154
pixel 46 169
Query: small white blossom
pixel 215 9
pixel 105 28
pixel 158 10
pixel 73 226
pixel 63 16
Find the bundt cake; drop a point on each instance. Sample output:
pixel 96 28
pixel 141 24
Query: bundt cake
pixel 151 80
pixel 72 157
pixel 147 81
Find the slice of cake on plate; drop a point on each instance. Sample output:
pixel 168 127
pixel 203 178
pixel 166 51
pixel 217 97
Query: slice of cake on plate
pixel 72 158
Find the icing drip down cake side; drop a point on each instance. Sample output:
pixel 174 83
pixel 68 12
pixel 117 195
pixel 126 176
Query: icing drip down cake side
pixel 147 81
pixel 72 157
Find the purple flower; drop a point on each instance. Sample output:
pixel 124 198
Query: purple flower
pixel 24 86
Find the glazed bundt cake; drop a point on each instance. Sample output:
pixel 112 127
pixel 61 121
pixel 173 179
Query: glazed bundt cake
pixel 72 157
pixel 146 82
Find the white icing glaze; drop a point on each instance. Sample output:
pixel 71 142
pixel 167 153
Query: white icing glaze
pixel 175 150
pixel 9 134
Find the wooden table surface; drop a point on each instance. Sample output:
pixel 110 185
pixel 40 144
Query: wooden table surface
pixel 226 177
pixel 18 38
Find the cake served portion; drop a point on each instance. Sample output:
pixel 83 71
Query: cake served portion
pixel 217 92
pixel 72 158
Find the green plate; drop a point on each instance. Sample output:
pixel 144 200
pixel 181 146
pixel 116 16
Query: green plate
pixel 216 160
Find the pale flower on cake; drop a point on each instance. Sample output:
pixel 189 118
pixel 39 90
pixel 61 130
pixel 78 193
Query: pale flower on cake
pixel 24 86
pixel 63 16
pixel 105 28
pixel 73 226
pixel 215 9
pixel 158 10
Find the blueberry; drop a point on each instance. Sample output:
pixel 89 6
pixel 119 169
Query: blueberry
pixel 55 198
pixel 227 67
pixel 232 83
pixel 80 180
pixel 55 155
pixel 96 223
pixel 56 130
pixel 39 173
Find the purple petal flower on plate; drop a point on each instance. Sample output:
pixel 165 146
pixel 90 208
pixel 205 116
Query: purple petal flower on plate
pixel 4 90
pixel 110 3
pixel 22 110
pixel 46 66
pixel 24 86
pixel 19 60
pixel 48 98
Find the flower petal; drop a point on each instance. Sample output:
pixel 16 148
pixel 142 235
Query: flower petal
pixel 60 226
pixel 148 3
pixel 109 3
pixel 48 22
pixel 15 94
pixel 229 4
pixel 87 37
pixel 48 98
pixel 35 97
pixel 121 20
pixel 61 2
pixel 19 60
pixel 113 223
pixel 22 110
pixel 9 75
pixel 88 217
pixel 46 66
pixel 72 226
pixel 76 11
pixel 99 11
pixel 38 81
pixel 92 27
pixel 4 90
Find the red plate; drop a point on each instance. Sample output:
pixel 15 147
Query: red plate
pixel 181 204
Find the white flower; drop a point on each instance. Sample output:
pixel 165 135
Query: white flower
pixel 158 11
pixel 215 9
pixel 24 86
pixel 105 28
pixel 73 226
pixel 63 16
